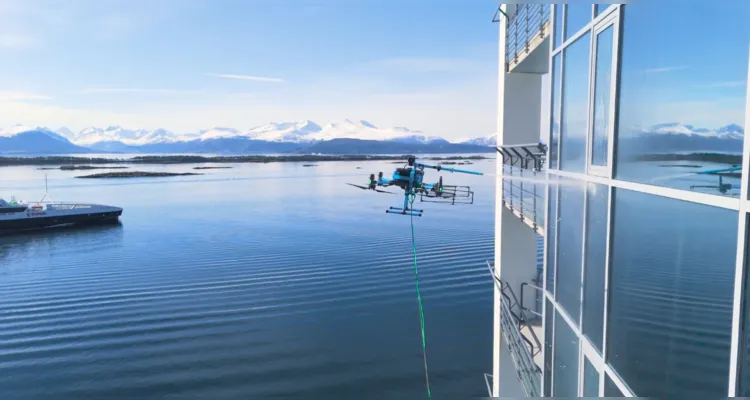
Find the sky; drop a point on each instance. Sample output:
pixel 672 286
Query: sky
pixel 186 65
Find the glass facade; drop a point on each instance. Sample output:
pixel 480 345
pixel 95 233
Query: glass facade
pixel 555 111
pixel 681 115
pixel 575 94
pixel 551 238
pixel 590 379
pixel 670 303
pixel 645 239
pixel 577 16
pixel 569 249
pixel 558 24
pixel 565 368
pixel 602 96
pixel 593 280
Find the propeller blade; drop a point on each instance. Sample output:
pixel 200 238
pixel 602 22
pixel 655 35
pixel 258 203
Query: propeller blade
pixel 383 191
pixel 358 186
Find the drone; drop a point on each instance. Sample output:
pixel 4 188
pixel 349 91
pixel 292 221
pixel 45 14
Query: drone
pixel 410 179
pixel 722 187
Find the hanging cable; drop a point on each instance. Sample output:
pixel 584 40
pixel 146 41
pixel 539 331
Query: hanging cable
pixel 419 297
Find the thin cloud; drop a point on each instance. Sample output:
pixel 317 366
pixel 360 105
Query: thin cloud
pixel 725 84
pixel 664 69
pixel 136 90
pixel 6 95
pixel 246 77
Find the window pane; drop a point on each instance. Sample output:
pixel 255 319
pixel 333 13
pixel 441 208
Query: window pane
pixel 600 8
pixel 566 359
pixel 596 246
pixel 578 15
pixel 575 92
pixel 744 376
pixel 569 250
pixel 558 24
pixel 548 318
pixel 555 122
pixel 610 389
pixel 680 114
pixel 590 379
pixel 602 89
pixel 551 236
pixel 671 290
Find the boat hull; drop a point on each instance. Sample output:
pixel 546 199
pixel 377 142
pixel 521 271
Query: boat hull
pixel 42 222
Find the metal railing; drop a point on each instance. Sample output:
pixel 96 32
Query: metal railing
pixel 522 349
pixel 523 195
pixel 528 23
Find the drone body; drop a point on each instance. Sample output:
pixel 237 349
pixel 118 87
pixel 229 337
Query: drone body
pixel 410 178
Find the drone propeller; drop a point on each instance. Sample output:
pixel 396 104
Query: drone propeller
pixel 367 188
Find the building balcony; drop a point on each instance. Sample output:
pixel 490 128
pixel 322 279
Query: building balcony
pixel 524 185
pixel 527 38
pixel 522 335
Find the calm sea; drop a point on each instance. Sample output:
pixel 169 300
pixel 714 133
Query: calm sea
pixel 272 280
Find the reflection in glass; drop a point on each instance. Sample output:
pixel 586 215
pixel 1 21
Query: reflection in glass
pixel 596 246
pixel 743 378
pixel 610 388
pixel 675 108
pixel 569 250
pixel 555 113
pixel 551 237
pixel 671 290
pixel 600 8
pixel 558 24
pixel 602 89
pixel 576 17
pixel 566 360
pixel 590 379
pixel 549 314
pixel 575 94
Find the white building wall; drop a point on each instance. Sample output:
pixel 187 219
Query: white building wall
pixel 519 110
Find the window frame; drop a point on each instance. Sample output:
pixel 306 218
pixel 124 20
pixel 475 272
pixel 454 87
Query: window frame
pixel 609 20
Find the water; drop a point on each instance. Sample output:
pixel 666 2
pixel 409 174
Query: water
pixel 270 280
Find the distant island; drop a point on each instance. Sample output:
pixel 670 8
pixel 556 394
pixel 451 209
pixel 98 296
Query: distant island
pixel 192 159
pixel 212 167
pixel 135 174
pixel 81 167
pixel 720 158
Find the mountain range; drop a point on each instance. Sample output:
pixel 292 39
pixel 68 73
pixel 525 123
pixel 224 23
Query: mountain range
pixel 344 137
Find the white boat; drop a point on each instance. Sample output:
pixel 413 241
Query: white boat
pixel 21 216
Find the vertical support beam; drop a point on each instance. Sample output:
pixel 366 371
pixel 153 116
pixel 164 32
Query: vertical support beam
pixel 738 319
pixel 497 333
pixel 518 122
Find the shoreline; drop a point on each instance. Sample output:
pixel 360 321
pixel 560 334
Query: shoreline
pixel 189 159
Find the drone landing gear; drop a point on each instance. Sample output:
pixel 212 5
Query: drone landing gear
pixel 408 211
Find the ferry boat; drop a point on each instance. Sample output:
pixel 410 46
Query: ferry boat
pixel 21 216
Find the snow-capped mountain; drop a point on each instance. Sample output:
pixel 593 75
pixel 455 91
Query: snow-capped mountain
pixel 303 131
pixel 364 130
pixel 15 130
pixel 731 131
pixel 92 135
pixel 295 132
pixel 490 140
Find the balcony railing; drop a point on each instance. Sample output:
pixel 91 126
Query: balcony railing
pixel 525 196
pixel 527 27
pixel 523 347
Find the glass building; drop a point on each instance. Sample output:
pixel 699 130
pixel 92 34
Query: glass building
pixel 621 156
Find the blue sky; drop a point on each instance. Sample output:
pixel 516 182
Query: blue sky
pixel 185 65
